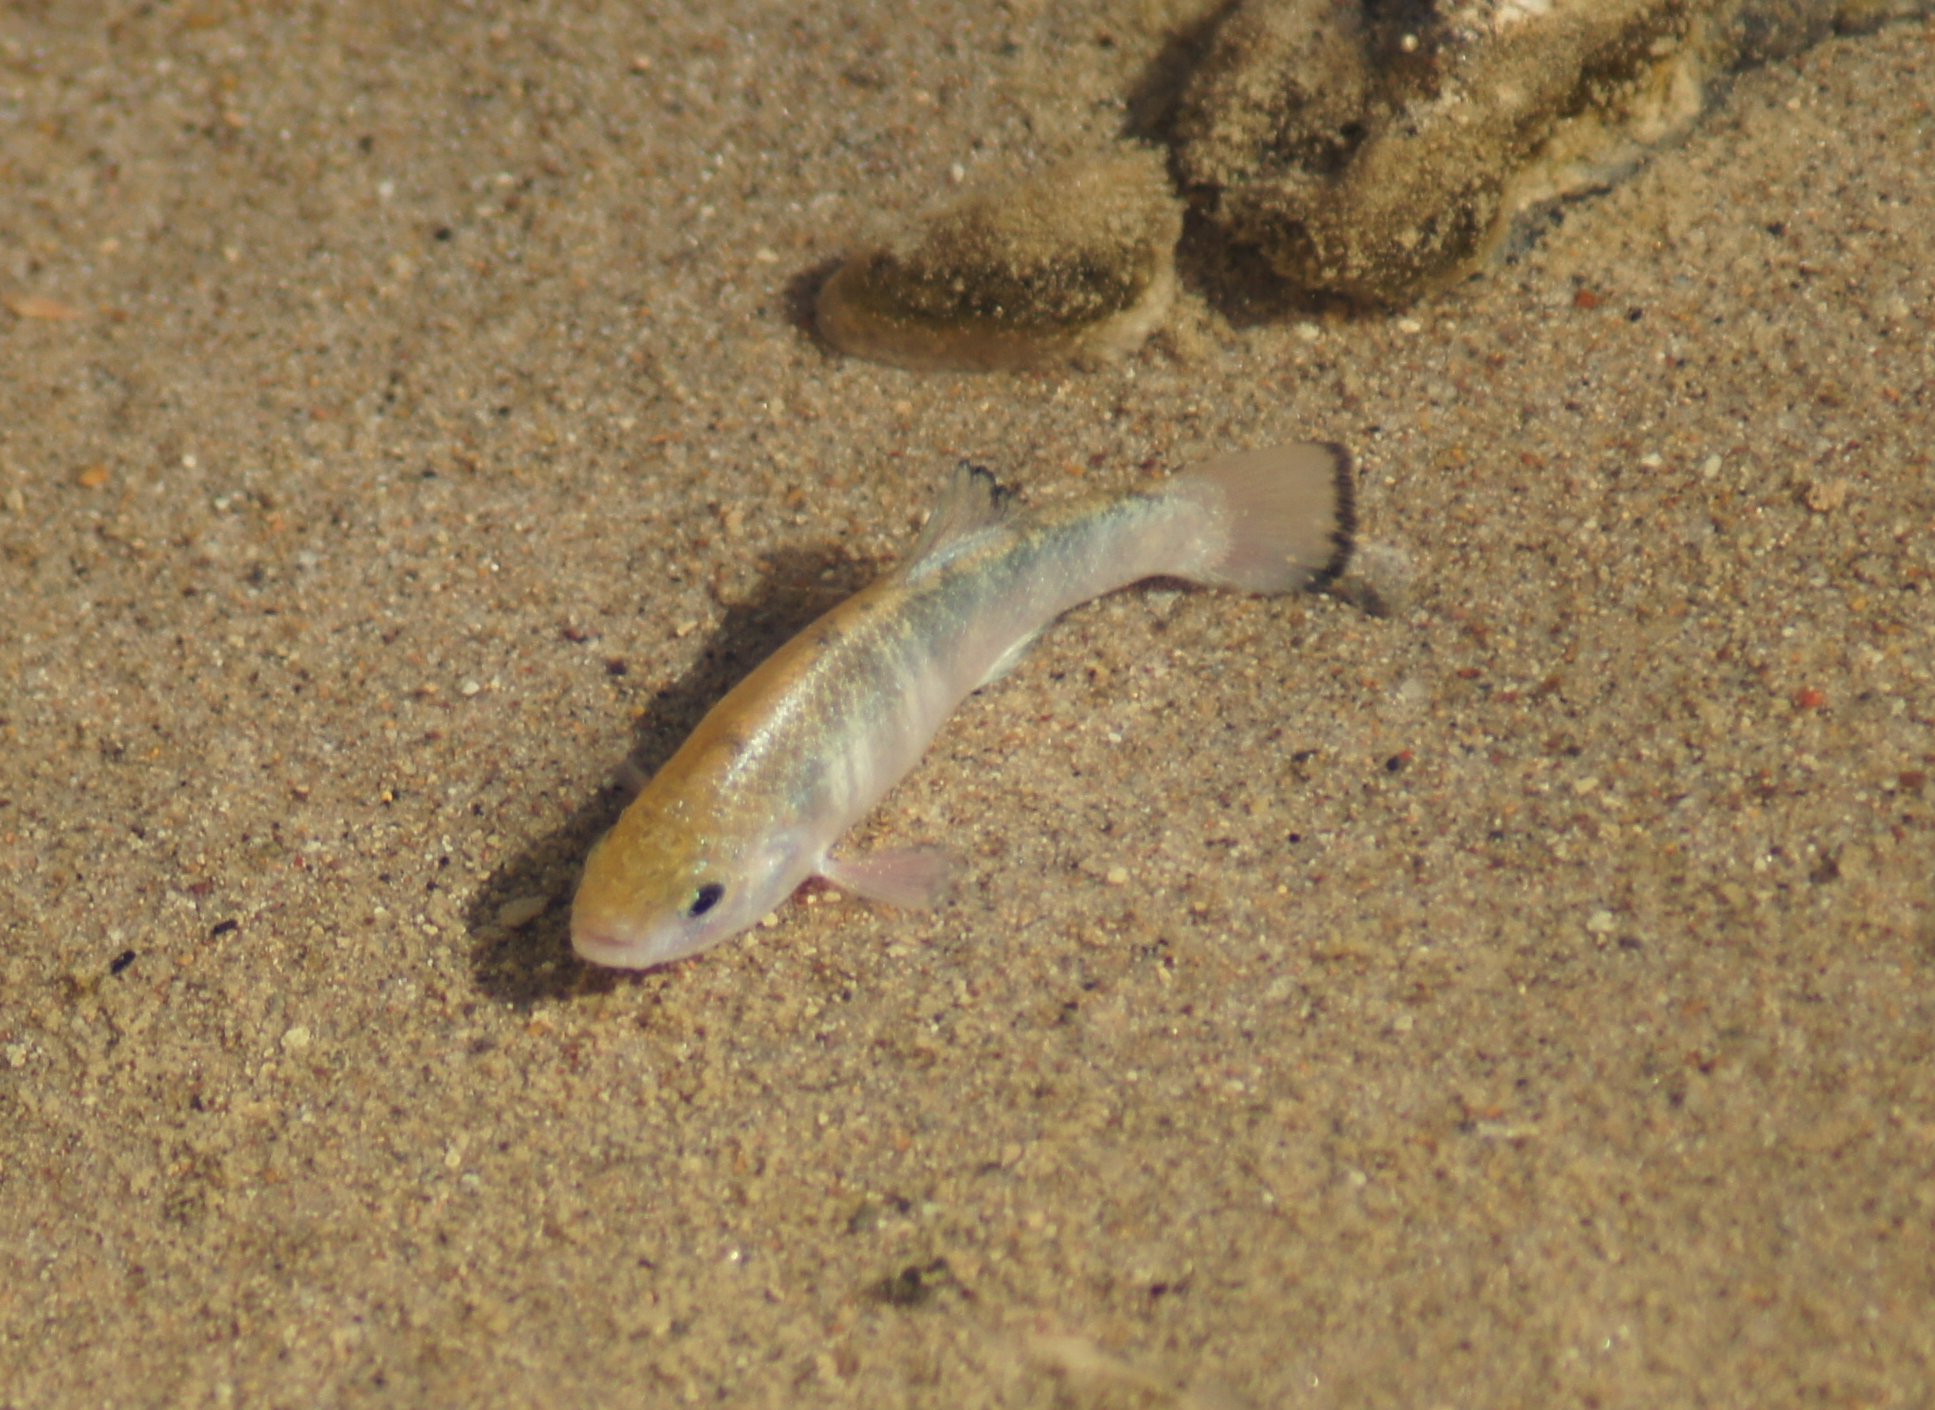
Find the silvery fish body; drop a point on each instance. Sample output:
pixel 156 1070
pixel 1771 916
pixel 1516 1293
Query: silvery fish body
pixel 805 747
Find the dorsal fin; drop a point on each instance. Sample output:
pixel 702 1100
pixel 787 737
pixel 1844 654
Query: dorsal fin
pixel 972 501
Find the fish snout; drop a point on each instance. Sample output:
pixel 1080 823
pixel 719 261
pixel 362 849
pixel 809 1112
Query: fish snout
pixel 607 944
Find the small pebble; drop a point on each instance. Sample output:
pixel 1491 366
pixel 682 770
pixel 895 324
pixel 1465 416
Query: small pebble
pixel 522 911
pixel 1826 496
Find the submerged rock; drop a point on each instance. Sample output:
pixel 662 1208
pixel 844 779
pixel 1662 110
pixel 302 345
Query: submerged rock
pixel 1375 151
pixel 1075 264
pixel 1369 150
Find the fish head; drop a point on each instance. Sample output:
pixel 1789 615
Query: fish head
pixel 656 888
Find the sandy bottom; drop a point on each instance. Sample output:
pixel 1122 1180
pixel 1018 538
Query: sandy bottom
pixel 1524 998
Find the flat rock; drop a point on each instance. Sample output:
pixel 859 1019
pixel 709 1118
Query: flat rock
pixel 1072 264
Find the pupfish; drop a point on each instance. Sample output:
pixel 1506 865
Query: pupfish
pixel 754 803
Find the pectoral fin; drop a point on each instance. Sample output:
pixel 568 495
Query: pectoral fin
pixel 911 877
pixel 1007 661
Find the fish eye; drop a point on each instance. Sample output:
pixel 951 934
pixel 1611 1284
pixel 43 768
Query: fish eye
pixel 708 897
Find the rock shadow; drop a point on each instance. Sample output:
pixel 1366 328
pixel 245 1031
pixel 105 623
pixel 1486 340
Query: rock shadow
pixel 802 298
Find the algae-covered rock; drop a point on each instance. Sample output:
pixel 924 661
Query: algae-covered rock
pixel 1073 264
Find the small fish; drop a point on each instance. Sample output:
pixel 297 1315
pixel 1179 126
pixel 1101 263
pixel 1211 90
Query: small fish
pixel 803 748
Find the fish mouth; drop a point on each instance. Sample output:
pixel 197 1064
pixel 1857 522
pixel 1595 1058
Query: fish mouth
pixel 612 951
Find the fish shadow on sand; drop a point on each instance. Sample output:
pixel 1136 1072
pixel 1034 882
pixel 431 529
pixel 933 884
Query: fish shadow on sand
pixel 521 963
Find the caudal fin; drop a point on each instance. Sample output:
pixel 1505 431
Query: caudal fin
pixel 1289 514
